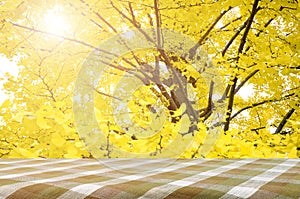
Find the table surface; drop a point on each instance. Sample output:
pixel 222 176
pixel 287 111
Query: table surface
pixel 149 178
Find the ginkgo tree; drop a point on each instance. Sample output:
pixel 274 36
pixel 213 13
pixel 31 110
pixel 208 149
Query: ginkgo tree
pixel 164 96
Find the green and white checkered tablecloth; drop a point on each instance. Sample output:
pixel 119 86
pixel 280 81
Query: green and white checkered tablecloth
pixel 194 178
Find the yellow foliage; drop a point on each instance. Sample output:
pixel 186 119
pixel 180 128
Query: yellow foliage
pixel 145 100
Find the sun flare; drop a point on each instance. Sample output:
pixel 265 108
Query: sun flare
pixel 55 22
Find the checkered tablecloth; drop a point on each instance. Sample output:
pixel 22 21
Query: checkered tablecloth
pixel 149 178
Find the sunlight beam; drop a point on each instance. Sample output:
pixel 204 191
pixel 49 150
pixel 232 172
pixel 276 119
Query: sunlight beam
pixel 55 21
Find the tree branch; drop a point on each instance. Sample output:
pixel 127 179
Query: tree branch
pixel 261 103
pixel 266 25
pixel 284 120
pixel 158 23
pixel 193 50
pixel 245 80
pixel 63 37
pixel 208 110
pixel 105 94
pixel 240 50
pixel 134 23
pixel 225 93
pixel 234 37
pixel 84 15
pixel 258 128
pixel 234 20
pixel 88 45
pixel 253 12
pixel 230 104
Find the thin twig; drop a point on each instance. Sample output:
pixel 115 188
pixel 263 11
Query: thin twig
pixel 261 103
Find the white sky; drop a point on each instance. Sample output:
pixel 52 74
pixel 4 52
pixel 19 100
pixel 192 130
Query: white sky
pixel 246 91
pixel 6 66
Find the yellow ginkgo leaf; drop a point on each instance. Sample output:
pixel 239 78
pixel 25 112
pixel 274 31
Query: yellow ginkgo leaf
pixel 185 124
pixel 57 140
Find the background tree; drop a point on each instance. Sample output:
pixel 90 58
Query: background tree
pixel 253 45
